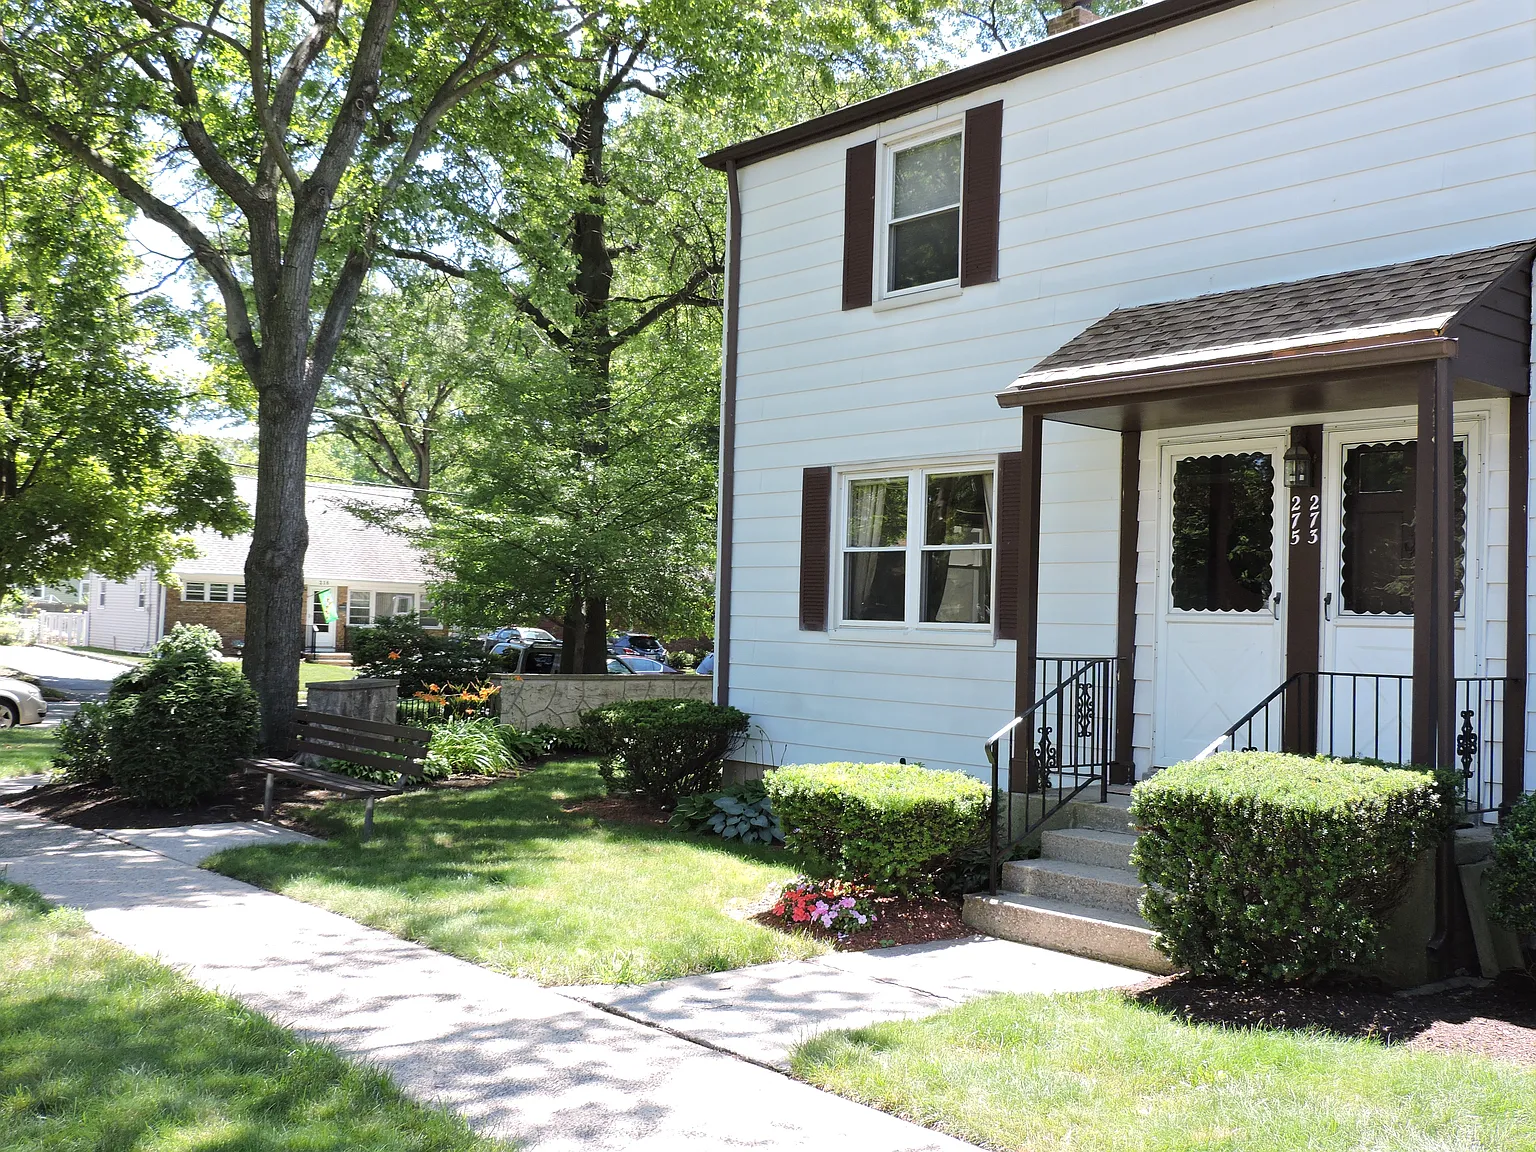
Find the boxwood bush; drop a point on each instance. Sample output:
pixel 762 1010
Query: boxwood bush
pixel 1280 867
pixel 667 749
pixel 1512 879
pixel 895 827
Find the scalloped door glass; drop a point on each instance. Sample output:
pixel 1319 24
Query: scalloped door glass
pixel 1378 524
pixel 1223 532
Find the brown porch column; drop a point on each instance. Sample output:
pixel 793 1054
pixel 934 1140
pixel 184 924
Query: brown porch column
pixel 1123 770
pixel 1434 572
pixel 1029 566
pixel 1517 638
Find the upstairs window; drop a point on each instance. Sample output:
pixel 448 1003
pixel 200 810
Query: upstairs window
pixel 923 239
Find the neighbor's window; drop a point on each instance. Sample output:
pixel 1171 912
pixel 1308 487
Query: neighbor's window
pixel 924 233
pixel 237 593
pixel 940 574
pixel 393 604
pixel 359 607
pixel 427 619
pixel 1376 570
pixel 219 592
pixel 194 590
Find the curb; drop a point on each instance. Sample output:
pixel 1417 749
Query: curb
pixel 88 655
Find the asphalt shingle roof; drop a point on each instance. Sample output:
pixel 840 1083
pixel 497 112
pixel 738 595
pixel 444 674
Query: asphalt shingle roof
pixel 1426 293
pixel 342 547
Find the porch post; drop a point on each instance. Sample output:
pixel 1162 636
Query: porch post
pixel 1517 637
pixel 1123 770
pixel 1434 560
pixel 1029 567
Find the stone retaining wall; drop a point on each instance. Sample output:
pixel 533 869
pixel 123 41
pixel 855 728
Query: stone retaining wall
pixel 361 699
pixel 528 701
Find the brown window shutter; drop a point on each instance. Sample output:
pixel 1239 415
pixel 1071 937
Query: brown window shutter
pixel 981 189
pixel 1010 496
pixel 859 228
pixel 815 546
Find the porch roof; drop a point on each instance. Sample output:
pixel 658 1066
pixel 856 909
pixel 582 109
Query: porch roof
pixel 1329 343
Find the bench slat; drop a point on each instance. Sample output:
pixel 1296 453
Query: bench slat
pixel 333 781
pixel 399 731
pixel 313 733
pixel 363 759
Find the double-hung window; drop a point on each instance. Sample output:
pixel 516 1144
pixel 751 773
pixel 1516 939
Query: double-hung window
pixel 923 210
pixel 917 547
pixel 359 607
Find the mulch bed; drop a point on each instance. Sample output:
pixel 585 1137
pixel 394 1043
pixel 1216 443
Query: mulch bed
pixel 625 808
pixel 920 920
pixel 98 806
pixel 1496 1019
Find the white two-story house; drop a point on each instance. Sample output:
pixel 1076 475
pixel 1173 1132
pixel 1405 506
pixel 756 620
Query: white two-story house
pixel 1182 359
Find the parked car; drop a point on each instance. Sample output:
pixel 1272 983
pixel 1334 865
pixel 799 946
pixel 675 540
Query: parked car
pixel 637 644
pixel 707 665
pixel 529 651
pixel 20 703
pixel 515 636
pixel 637 666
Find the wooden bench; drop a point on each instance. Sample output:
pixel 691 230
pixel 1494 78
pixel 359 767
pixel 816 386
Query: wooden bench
pixel 366 743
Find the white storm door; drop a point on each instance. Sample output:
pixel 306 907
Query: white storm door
pixel 1221 630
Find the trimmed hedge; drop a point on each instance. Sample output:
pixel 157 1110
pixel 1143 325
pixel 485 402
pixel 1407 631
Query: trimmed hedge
pixel 667 749
pixel 895 827
pixel 1512 879
pixel 1280 867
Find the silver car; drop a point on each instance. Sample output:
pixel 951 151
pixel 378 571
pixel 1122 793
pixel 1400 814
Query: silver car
pixel 20 703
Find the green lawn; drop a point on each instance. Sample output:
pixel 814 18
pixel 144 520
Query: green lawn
pixel 1095 1071
pixel 104 1050
pixel 136 657
pixel 310 673
pixel 503 877
pixel 24 751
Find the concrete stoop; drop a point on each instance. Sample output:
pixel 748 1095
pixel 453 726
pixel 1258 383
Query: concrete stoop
pixel 1081 896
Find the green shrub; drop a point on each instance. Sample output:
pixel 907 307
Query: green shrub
pixel 1281 867
pixel 399 648
pixel 1512 879
pixel 188 640
pixel 665 748
pixel 558 741
pixel 80 752
pixel 175 726
pixel 896 827
pixel 737 812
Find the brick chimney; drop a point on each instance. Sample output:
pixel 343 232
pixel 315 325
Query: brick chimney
pixel 1074 14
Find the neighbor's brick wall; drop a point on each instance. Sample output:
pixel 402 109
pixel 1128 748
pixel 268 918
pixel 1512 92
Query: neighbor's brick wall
pixel 228 620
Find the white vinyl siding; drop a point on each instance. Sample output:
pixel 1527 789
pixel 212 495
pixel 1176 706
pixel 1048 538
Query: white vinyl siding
pixel 1277 140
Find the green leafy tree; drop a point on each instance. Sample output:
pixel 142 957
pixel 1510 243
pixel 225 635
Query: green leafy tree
pixel 589 472
pixel 93 474
pixel 280 142
pixel 1002 25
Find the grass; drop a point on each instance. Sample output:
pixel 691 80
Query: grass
pixel 24 751
pixel 503 877
pixel 312 673
pixel 136 657
pixel 101 1049
pixel 1095 1071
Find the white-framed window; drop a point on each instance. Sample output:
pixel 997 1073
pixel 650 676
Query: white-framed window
pixel 359 607
pixel 916 547
pixel 921 207
pixel 427 618
pixel 393 604
pixel 237 593
pixel 102 594
pixel 143 593
pixel 212 593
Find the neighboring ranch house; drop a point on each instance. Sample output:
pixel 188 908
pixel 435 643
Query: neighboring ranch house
pixel 1186 352
pixel 372 572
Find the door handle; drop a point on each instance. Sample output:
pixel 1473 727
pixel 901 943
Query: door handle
pixel 1275 605
pixel 1327 606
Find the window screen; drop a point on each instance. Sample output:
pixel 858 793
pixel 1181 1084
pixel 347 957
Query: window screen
pixel 925 214
pixel 957 550
pixel 1223 532
pixel 1377 550
pixel 875 553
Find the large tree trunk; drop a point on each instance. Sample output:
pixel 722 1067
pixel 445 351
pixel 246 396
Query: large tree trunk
pixel 274 568
pixel 594 654
pixel 572 638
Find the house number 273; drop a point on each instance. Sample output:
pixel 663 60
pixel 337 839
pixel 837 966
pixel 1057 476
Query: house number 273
pixel 1314 518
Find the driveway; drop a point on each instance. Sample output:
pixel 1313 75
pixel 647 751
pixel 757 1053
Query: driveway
pixel 78 676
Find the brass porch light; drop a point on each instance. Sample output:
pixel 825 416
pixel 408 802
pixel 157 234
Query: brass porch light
pixel 1298 467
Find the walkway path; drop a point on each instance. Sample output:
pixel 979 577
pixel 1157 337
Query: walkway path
pixel 517 1060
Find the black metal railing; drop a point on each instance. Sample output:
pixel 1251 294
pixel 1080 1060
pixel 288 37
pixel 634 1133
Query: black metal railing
pixel 1356 715
pixel 1062 745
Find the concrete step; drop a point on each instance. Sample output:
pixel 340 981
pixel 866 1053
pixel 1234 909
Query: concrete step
pixel 1088 846
pixel 1108 817
pixel 1091 885
pixel 1100 934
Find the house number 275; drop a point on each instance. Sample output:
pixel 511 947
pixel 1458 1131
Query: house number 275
pixel 1314 518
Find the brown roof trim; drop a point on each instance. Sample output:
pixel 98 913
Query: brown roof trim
pixel 1092 391
pixel 1084 41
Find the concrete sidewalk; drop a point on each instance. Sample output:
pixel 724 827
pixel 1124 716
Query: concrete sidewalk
pixel 519 1061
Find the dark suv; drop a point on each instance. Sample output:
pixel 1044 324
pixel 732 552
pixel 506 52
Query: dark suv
pixel 637 644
